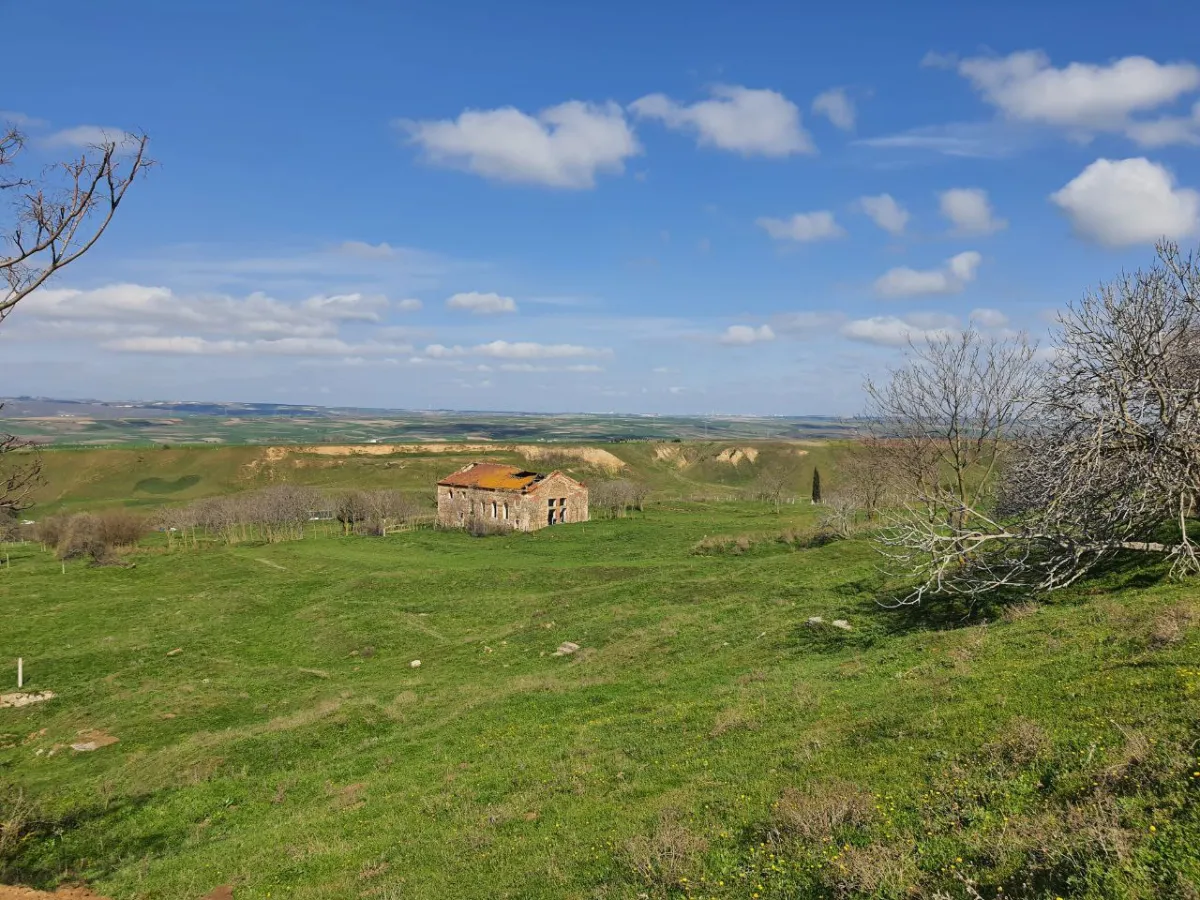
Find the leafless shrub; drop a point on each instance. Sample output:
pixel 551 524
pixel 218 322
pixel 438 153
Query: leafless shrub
pixel 121 527
pixel 730 719
pixel 49 529
pixel 1017 612
pixel 83 536
pixel 876 870
pixel 668 855
pixel 1021 742
pixel 821 810
pixel 17 812
pixel 178 523
pixel 723 544
pixel 776 480
pixel 617 497
pixel 869 475
pixel 839 514
pixel 1170 627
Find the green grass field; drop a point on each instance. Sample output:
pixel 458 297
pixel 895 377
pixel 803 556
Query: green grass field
pixel 152 476
pixel 705 741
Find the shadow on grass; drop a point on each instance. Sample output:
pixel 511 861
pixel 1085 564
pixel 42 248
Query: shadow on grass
pixel 942 612
pixel 87 841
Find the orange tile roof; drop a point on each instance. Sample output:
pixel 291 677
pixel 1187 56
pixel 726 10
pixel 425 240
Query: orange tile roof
pixel 492 476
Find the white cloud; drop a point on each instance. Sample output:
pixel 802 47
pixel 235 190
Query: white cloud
pixel 1128 201
pixel 159 308
pixel 514 350
pixel 84 136
pixel 970 211
pixel 885 212
pixel 804 227
pixel 531 367
pixel 836 105
pixel 1167 130
pixel 363 250
pixel 1025 86
pixel 951 278
pixel 970 140
pixel 564 146
pixel 743 120
pixel 482 304
pixel 989 318
pixel 190 345
pixel 741 335
pixel 893 331
pixel 1082 97
pixel 409 304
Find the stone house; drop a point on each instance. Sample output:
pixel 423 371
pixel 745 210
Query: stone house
pixel 510 497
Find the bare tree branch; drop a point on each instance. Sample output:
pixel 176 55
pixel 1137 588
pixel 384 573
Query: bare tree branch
pixel 61 215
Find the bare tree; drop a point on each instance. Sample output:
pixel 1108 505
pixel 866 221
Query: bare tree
pixel 61 214
pixel 618 496
pixel 775 481
pixel 1110 462
pixel 868 473
pixel 53 219
pixel 949 414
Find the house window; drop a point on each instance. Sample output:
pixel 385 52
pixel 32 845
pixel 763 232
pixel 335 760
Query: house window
pixel 493 509
pixel 506 510
pixel 451 493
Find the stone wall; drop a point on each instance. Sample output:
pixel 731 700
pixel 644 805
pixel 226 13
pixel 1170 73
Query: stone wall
pixel 556 500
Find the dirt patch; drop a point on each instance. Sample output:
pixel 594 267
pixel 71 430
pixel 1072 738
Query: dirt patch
pixel 15 701
pixel 734 455
pixel 592 456
pixel 92 739
pixel 63 893
pixel 671 453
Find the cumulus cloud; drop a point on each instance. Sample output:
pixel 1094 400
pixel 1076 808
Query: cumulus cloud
pixel 951 278
pixel 1084 98
pixel 482 304
pixel 741 335
pixel 835 105
pixel 743 120
pixel 1128 201
pixel 564 146
pixel 409 304
pixel 885 212
pixel 896 331
pixel 802 227
pixel 969 211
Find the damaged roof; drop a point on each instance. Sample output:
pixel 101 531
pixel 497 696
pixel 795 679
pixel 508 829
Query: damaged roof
pixel 492 476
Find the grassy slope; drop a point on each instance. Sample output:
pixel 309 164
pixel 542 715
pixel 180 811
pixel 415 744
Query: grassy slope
pixel 298 763
pixel 149 477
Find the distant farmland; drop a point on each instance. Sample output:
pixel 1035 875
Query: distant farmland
pixel 94 424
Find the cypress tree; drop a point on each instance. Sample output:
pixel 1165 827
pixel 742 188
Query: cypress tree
pixel 816 488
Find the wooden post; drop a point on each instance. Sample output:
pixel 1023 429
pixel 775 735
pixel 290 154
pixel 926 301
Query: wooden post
pixel 64 568
pixel 20 673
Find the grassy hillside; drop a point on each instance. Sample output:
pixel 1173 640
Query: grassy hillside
pixel 704 741
pixel 150 477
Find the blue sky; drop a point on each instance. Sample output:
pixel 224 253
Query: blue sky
pixel 702 207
